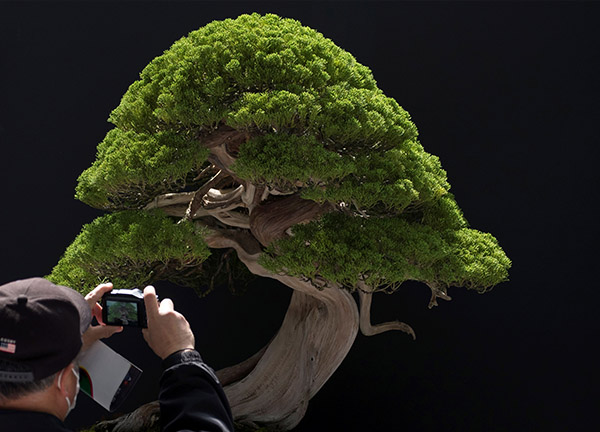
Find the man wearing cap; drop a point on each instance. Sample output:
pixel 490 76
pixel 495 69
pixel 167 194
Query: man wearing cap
pixel 44 327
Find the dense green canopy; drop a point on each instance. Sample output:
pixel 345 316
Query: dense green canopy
pixel 130 248
pixel 315 124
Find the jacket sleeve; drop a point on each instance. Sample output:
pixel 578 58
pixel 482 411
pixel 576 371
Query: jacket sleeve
pixel 191 397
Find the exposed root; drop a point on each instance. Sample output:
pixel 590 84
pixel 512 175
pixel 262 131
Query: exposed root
pixel 369 329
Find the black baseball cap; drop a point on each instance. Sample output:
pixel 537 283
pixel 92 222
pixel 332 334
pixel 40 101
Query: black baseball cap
pixel 41 325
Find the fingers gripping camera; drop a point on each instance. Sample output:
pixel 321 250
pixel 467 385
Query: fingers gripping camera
pixel 124 307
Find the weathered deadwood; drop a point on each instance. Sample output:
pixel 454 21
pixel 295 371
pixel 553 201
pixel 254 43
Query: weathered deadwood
pixel 437 292
pixel 317 332
pixel 233 219
pixel 239 371
pixel 224 144
pixel 218 197
pixel 270 219
pixel 205 172
pixel 169 199
pixel 219 157
pixel 369 329
pixel 196 201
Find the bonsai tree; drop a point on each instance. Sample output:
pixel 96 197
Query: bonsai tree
pixel 260 136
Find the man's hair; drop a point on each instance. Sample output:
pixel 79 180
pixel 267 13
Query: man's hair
pixel 15 390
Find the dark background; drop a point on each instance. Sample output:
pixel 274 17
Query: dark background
pixel 506 94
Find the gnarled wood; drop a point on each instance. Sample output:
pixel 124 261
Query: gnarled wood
pixel 239 371
pixel 270 219
pixel 196 201
pixel 369 329
pixel 437 292
pixel 215 198
pixel 233 219
pixel 170 199
pixel 317 332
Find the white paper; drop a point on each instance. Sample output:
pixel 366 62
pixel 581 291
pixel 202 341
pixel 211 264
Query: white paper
pixel 102 373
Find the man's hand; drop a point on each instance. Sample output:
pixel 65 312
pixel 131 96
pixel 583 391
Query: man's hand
pixel 101 331
pixel 168 331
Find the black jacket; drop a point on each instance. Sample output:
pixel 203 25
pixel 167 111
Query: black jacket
pixel 191 400
pixel 191 397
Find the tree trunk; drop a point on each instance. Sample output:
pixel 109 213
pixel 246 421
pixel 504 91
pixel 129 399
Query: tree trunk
pixel 318 330
pixel 314 339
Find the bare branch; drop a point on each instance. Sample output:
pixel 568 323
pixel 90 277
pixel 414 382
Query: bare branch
pixel 196 201
pixel 205 171
pixel 169 199
pixel 437 292
pixel 221 158
pixel 361 212
pixel 248 196
pixel 278 192
pixel 265 194
pixel 220 197
pixel 365 296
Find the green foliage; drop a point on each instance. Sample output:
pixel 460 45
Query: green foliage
pixel 133 167
pixel 202 76
pixel 263 74
pixel 392 180
pixel 280 159
pixel 129 248
pixel 476 261
pixel 384 252
pixel 348 120
pixel 317 122
pixel 440 214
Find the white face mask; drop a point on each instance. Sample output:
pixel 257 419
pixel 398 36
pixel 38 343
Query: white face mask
pixel 71 405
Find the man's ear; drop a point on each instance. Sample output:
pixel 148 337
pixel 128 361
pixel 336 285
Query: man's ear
pixel 61 379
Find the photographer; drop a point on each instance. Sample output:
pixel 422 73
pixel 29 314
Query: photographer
pixel 43 328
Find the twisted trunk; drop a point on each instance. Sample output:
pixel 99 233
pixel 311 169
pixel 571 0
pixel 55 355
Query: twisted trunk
pixel 317 332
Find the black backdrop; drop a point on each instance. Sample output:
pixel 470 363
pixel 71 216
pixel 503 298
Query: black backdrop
pixel 505 93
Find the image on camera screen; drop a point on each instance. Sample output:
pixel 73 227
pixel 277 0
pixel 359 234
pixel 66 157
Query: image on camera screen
pixel 123 313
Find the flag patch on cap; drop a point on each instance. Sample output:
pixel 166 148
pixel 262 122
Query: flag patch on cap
pixel 8 345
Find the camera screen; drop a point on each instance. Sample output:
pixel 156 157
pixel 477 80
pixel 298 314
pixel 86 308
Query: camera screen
pixel 122 312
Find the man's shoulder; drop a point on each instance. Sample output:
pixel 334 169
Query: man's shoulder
pixel 30 421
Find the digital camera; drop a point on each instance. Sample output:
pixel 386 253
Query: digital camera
pixel 124 307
